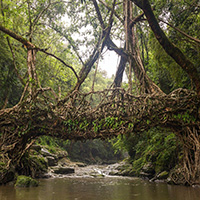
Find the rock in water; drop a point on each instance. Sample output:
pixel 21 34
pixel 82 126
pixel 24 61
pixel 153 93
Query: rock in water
pixel 63 170
pixel 51 161
pixel 25 181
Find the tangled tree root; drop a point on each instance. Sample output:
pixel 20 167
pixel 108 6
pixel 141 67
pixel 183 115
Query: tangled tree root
pixel 112 112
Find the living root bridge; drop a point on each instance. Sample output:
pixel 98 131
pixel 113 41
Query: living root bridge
pixel 102 115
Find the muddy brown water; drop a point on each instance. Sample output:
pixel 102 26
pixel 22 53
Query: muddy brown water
pixel 85 187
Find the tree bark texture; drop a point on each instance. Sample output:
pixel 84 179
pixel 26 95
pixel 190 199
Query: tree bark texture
pixel 120 71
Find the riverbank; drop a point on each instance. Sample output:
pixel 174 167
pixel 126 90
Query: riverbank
pixel 42 163
pixel 58 164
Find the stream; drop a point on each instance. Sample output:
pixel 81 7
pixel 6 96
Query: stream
pixel 93 183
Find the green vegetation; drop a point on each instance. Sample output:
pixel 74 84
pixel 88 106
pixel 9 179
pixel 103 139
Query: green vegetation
pixel 157 146
pixel 52 144
pixel 32 164
pixel 25 181
pixel 93 152
pixel 90 152
pixel 2 166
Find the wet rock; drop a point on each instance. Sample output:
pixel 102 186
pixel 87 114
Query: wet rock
pixel 45 152
pixel 169 181
pixel 121 169
pixel 97 175
pixel 44 175
pixel 161 177
pixel 67 162
pixel 113 173
pixel 196 185
pixel 61 154
pixel 124 166
pixel 64 162
pixel 51 161
pixel 80 164
pixel 63 170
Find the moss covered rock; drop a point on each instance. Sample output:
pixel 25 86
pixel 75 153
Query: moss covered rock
pixel 25 181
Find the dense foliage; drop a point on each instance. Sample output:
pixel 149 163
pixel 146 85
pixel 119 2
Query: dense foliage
pixel 159 147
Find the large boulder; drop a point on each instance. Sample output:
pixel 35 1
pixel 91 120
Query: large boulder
pixel 63 170
pixel 51 161
pixel 61 154
pixel 45 152
pixel 25 181
pixel 121 169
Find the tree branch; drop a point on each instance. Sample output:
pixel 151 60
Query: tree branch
pixel 111 18
pixel 39 15
pixel 29 45
pixel 50 54
pixel 69 40
pixel 180 31
pixel 105 38
pixel 120 70
pixel 110 8
pixel 24 41
pixel 92 59
pixel 137 19
pixel 101 43
pixel 99 14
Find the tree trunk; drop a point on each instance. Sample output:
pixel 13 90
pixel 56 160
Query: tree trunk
pixel 168 46
pixel 120 71
pixel 145 83
pixel 188 173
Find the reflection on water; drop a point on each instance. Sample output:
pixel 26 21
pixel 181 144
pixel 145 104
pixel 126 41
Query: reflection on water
pixel 109 188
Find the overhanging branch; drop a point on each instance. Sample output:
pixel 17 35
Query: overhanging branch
pixel 54 56
pixel 29 45
pixel 197 41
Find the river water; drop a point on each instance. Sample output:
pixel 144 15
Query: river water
pixel 99 188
